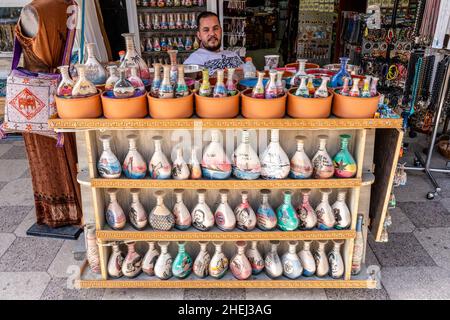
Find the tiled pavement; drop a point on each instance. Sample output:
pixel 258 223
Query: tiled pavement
pixel 414 264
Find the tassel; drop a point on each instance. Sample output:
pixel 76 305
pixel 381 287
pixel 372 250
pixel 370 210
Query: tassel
pixel 3 134
pixel 60 142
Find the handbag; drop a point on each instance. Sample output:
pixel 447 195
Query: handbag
pixel 30 96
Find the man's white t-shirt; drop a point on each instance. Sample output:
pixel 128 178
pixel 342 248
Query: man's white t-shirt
pixel 214 60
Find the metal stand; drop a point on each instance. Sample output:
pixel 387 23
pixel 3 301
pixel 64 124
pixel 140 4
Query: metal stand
pixel 426 164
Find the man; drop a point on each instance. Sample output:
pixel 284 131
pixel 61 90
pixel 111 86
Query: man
pixel 209 54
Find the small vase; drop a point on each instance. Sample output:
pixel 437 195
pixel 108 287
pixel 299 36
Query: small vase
pixel 258 90
pixel 182 215
pixel 373 87
pixel 322 91
pixel 160 217
pixel 202 217
pixel 148 264
pixel 133 59
pixel 163 265
pixel 179 22
pixel 132 265
pixel 307 259
pixel 115 262
pixel 215 163
pixel 201 263
pixel 205 88
pixel 270 91
pixel 245 216
pixel 341 212
pixel 115 217
pixel 219 262
pixel 92 252
pixel 66 84
pixel 188 46
pixel 134 165
pixel 337 79
pixel 137 214
pixel 365 92
pixel 156 83
pixel 108 165
pixel 224 215
pixel 266 219
pixel 246 163
pixel 112 79
pixel 292 267
pixel 220 91
pixel 156 44
pixel 239 265
pixel 322 266
pixel 358 250
pixel 295 80
pixel 286 215
pixel 159 167
pixel 123 88
pixel 344 164
pixel 182 265
pixel 302 90
pixel 83 87
pixel 255 258
pixel 354 92
pixel 322 163
pixel 310 85
pixel 182 89
pixel 279 83
pixel 166 89
pixel 306 215
pixel 301 166
pixel 135 81
pixel 94 69
pixel 324 212
pixel 345 91
pixel 195 45
pixel 230 85
pixel 272 262
pixel 180 169
pixel 335 260
pixel 275 163
pixel 194 165
pixel 173 63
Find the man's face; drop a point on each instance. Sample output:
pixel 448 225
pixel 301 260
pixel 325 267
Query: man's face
pixel 210 33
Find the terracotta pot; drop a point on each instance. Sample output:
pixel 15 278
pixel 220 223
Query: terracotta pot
pixel 308 108
pixel 173 108
pixel 354 107
pixel 79 108
pixel 217 108
pixel 253 108
pixel 129 108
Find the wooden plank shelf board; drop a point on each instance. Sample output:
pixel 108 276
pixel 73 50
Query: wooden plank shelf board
pixel 215 234
pixel 91 280
pixel 232 184
pixel 237 123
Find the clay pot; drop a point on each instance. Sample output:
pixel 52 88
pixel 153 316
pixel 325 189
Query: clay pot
pixel 308 108
pixel 354 107
pixel 253 108
pixel 217 108
pixel 79 108
pixel 174 108
pixel 127 108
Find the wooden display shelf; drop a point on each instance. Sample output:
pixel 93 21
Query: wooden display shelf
pixel 236 123
pixel 91 280
pixel 232 184
pixel 215 234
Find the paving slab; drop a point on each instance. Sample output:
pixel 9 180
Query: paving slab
pixel 22 285
pixel 418 283
pixel 426 214
pixel 416 188
pixel 446 204
pixel 214 294
pixel 143 294
pixel 6 239
pixel 357 294
pixel 26 174
pixel 27 222
pixel 12 216
pixel 63 260
pixel 15 152
pixel 286 294
pixel 436 242
pixel 371 258
pixel 2 184
pixel 400 222
pixel 58 289
pixel 17 193
pixel 402 250
pixel 12 169
pixel 4 148
pixel 30 254
pixel 18 142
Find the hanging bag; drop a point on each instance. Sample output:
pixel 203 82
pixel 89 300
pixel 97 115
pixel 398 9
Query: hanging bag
pixel 30 100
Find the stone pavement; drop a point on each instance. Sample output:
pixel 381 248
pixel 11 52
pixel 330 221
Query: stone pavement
pixel 415 264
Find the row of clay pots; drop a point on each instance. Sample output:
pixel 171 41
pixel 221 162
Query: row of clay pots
pixel 217 108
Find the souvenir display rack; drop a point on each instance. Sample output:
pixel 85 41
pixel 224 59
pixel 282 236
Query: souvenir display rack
pixel 146 128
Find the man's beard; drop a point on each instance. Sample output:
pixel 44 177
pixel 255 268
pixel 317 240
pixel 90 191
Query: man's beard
pixel 212 48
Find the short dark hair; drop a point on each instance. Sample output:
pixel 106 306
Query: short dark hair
pixel 206 14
